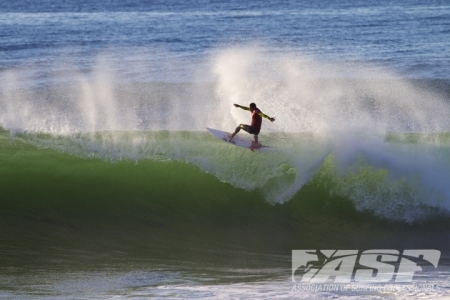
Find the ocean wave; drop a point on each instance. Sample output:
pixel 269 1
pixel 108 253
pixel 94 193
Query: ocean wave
pixel 395 179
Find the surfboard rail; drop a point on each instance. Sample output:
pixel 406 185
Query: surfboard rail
pixel 237 140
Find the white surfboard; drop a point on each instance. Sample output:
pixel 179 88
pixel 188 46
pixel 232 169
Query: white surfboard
pixel 237 140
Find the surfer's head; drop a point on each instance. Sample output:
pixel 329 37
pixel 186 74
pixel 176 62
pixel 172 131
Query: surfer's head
pixel 252 106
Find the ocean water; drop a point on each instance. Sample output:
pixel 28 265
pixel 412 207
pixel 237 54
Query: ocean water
pixel 110 186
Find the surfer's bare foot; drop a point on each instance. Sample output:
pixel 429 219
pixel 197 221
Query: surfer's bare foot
pixel 256 145
pixel 230 137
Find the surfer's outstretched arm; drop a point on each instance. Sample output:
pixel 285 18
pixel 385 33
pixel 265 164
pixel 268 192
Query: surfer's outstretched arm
pixel 266 116
pixel 241 106
pixel 260 113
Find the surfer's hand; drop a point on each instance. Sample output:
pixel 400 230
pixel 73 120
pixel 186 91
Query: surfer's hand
pixel 236 105
pixel 272 119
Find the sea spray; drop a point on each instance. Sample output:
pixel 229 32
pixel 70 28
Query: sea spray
pixel 307 95
pixel 315 96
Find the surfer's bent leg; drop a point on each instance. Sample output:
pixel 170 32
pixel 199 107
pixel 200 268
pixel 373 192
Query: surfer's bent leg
pixel 241 126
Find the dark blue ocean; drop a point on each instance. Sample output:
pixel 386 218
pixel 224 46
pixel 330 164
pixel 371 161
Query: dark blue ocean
pixel 111 187
pixel 409 38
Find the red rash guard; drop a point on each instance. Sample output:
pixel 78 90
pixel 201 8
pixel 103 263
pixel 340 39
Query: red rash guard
pixel 256 119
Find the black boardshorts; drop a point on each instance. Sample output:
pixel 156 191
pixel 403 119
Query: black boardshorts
pixel 249 129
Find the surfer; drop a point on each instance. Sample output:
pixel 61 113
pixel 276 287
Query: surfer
pixel 255 126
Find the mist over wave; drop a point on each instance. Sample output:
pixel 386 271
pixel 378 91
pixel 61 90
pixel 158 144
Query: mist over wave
pixel 349 124
pixel 308 96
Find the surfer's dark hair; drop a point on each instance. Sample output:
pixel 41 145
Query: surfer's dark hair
pixel 252 105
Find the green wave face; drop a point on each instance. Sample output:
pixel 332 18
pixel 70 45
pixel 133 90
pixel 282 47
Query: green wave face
pixel 169 195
